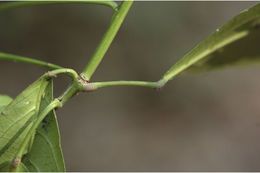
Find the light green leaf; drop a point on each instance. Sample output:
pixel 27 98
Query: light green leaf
pixel 235 43
pixel 17 118
pixel 45 154
pixel 4 101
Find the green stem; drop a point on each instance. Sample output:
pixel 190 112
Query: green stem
pixel 9 5
pixel 54 104
pixel 107 39
pixel 116 22
pixel 70 92
pixel 70 72
pixel 72 89
pixel 16 58
pixel 98 85
pixel 77 84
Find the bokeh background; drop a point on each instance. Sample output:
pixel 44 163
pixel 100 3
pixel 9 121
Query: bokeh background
pixel 202 122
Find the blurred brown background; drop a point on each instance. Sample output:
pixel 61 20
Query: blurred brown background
pixel 202 122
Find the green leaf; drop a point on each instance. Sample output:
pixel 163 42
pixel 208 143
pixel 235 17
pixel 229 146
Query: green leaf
pixel 17 118
pixel 4 101
pixel 45 154
pixel 235 43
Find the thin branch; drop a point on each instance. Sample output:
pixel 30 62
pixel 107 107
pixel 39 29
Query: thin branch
pixel 26 60
pixel 74 88
pixel 96 85
pixel 10 5
pixel 107 39
pixel 82 82
pixel 70 72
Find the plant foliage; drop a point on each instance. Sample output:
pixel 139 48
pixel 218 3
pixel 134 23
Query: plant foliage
pixel 235 43
pixel 29 133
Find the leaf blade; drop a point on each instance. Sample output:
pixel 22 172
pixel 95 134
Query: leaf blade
pixel 4 101
pixel 234 30
pixel 17 118
pixel 46 154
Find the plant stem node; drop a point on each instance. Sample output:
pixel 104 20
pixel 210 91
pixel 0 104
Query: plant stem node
pixel 50 74
pixel 16 162
pixel 88 87
pixel 159 85
pixel 82 77
pixel 60 102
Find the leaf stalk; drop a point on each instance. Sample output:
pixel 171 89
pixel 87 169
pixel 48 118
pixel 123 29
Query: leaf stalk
pixel 98 85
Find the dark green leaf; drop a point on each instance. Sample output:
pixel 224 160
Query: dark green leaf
pixel 17 118
pixel 235 43
pixel 45 154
